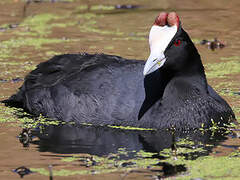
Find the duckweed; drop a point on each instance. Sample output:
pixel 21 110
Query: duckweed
pixel 231 58
pixel 129 38
pixel 211 167
pixel 131 128
pixel 38 24
pixel 88 28
pixel 7 47
pixel 33 33
pixel 204 167
pixel 89 22
pixel 222 69
pixel 88 16
pixel 196 41
pixel 109 47
pixel 6 114
pixel 62 172
pixel 82 7
pixel 108 164
pixel 102 7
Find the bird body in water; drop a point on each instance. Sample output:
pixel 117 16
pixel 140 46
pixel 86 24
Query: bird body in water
pixel 169 90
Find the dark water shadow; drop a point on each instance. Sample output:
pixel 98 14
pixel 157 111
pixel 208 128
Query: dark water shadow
pixel 101 141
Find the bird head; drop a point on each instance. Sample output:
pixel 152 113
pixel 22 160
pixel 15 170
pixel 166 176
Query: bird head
pixel 170 46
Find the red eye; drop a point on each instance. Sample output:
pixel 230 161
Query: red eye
pixel 177 42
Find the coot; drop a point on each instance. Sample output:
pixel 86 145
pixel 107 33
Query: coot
pixel 170 90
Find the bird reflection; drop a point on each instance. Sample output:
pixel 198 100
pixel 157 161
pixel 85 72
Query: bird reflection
pixel 104 140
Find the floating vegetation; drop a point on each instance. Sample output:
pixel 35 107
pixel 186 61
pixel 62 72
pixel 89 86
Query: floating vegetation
pixel 186 150
pixel 190 156
pixel 211 167
pixel 222 69
pixel 109 47
pixel 129 38
pixel 86 27
pixel 89 16
pixel 28 121
pixel 52 53
pixel 6 114
pixel 231 58
pixel 196 40
pixel 7 48
pixel 89 25
pixel 102 7
pixel 37 25
pixel 204 167
pixel 82 7
pixel 41 25
pixel 131 128
pixel 108 164
pixel 89 28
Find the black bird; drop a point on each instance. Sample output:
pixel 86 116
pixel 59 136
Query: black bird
pixel 170 90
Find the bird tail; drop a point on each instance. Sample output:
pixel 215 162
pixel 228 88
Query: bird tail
pixel 15 100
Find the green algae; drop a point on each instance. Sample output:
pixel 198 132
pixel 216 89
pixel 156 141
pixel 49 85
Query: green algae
pixel 225 84
pixel 6 114
pixel 102 7
pixel 129 38
pixel 69 159
pixel 196 40
pixel 41 25
pixel 231 58
pixel 236 110
pixel 131 128
pixel 11 68
pixel 144 154
pixel 228 92
pixel 122 127
pixel 92 47
pixel 39 42
pixel 4 26
pixel 114 165
pixel 108 164
pixel 82 7
pixel 38 24
pixel 24 119
pixel 203 167
pixel 29 121
pixel 88 16
pixel 62 172
pixel 8 47
pixel 185 149
pixel 92 29
pixel 200 166
pixel 109 47
pixel 95 8
pixel 49 1
pixel 211 167
pixel 89 24
pixel 52 53
pixel 222 69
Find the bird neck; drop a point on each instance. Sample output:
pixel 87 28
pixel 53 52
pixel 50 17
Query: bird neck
pixel 156 82
pixel 154 85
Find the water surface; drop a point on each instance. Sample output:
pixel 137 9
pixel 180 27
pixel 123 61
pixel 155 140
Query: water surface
pixel 33 33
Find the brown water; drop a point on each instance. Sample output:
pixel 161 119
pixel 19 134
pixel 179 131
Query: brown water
pixel 45 29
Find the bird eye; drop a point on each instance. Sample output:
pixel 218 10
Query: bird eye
pixel 177 42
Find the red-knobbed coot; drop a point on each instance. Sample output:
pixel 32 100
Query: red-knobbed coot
pixel 170 90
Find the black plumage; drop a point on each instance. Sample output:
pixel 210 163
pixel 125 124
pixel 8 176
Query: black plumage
pixel 104 89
